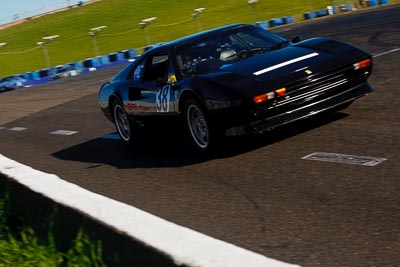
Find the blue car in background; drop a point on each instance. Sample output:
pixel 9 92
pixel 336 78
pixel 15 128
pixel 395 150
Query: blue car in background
pixel 11 83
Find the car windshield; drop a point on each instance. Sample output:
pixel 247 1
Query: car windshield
pixel 225 47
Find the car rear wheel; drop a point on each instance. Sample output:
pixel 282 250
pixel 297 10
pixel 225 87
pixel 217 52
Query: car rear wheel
pixel 198 125
pixel 122 123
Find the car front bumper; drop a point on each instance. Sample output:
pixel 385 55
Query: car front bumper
pixel 332 103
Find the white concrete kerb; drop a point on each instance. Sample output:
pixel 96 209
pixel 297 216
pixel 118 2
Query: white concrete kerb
pixel 183 245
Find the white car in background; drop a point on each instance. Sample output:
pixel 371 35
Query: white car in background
pixel 65 71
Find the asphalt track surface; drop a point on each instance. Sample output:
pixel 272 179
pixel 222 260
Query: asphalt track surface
pixel 255 192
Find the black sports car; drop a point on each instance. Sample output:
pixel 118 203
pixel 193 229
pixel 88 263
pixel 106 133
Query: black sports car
pixel 234 80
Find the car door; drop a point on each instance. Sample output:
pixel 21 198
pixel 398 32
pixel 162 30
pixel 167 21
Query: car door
pixel 151 90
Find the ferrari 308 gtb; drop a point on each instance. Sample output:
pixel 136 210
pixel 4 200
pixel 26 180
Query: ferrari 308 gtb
pixel 234 80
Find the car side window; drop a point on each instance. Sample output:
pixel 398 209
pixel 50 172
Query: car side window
pixel 156 68
pixel 138 71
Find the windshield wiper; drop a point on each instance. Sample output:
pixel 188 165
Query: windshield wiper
pixel 249 52
pixel 258 50
pixel 278 45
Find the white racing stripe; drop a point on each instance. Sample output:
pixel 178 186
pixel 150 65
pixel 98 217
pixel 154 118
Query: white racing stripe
pixel 280 65
pixel 185 246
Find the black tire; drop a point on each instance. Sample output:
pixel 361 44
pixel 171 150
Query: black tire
pixel 124 126
pixel 198 126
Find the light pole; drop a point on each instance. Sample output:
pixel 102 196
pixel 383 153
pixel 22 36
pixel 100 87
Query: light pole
pixel 196 16
pixel 143 25
pixel 253 3
pixel 45 53
pixel 93 32
pixel 47 40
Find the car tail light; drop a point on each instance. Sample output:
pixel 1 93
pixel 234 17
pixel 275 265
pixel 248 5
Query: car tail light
pixel 281 91
pixel 260 98
pixel 267 96
pixel 263 98
pixel 362 64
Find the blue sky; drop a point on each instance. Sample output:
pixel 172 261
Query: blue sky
pixel 25 8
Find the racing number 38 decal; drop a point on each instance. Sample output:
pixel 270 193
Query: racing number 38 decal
pixel 163 97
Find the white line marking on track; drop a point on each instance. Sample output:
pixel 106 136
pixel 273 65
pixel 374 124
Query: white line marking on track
pixel 17 129
pixel 387 52
pixel 280 65
pixel 64 132
pixel 1 128
pixel 347 159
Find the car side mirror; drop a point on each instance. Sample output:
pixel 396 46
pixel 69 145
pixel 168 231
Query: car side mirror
pixel 160 82
pixel 297 39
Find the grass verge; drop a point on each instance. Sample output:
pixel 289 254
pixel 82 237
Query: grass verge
pixel 20 246
pixel 122 17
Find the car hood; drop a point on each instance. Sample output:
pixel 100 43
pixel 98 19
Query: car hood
pixel 272 70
